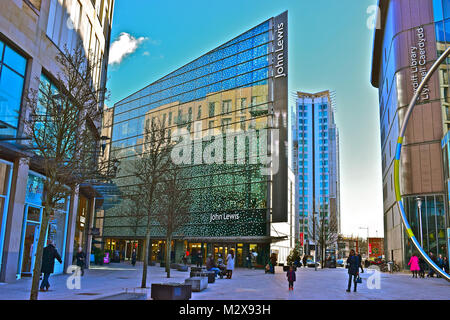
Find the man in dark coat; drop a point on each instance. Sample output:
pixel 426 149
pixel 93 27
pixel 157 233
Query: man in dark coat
pixel 133 257
pixel 433 258
pixel 81 260
pixel 49 255
pixel 353 264
pixel 304 261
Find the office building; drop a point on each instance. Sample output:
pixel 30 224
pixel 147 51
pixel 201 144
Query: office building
pixel 32 34
pixel 410 37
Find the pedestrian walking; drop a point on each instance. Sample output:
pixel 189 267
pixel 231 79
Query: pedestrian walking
pixel 199 259
pixel 291 277
pixel 230 264
pixel 353 269
pixel 49 255
pixel 273 261
pixel 360 263
pixel 446 264
pixel 304 261
pixel 440 264
pixel 248 261
pixel 81 260
pixel 422 266
pixel 433 258
pixel 133 257
pixel 414 265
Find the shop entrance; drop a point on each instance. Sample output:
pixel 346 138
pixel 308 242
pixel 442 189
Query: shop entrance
pixel 29 247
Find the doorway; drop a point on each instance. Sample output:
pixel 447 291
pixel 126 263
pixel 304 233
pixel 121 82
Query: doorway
pixel 29 247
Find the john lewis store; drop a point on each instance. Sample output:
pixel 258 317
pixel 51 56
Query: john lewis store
pixel 239 87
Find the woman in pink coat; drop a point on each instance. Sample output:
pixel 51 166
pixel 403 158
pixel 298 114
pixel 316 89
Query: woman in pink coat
pixel 414 265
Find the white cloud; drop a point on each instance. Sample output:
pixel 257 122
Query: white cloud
pixel 123 46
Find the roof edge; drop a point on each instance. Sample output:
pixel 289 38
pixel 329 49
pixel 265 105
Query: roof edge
pixel 383 6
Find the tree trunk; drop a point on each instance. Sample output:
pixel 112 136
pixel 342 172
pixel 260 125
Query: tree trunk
pixel 168 258
pixel 144 269
pixel 39 251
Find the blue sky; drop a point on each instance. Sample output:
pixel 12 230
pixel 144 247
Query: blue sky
pixel 330 47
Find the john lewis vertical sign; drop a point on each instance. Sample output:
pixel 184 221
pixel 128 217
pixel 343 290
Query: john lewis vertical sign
pixel 280 107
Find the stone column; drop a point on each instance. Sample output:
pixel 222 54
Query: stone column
pixel 14 222
pixel 71 226
pixel 89 234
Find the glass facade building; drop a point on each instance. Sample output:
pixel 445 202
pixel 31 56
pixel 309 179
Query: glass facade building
pixel 224 95
pixel 412 35
pixel 317 153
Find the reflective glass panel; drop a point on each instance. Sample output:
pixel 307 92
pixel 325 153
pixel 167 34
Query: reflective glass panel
pixel 15 61
pixel 11 88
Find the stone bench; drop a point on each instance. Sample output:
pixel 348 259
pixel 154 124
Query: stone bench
pixel 171 291
pixel 198 269
pixel 211 275
pixel 174 266
pixel 198 283
pixel 182 267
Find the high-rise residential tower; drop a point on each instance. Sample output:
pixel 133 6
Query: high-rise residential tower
pixel 316 149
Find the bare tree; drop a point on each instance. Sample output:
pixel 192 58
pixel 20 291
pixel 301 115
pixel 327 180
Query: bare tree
pixel 326 233
pixel 173 208
pixel 148 170
pixel 62 125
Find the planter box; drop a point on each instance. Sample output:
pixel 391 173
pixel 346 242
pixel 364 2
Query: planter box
pixel 171 291
pixel 162 264
pixel 198 283
pixel 152 263
pixel 174 266
pixel 182 267
pixel 211 275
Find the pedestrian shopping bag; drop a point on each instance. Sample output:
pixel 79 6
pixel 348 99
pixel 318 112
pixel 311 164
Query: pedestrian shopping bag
pixel 358 279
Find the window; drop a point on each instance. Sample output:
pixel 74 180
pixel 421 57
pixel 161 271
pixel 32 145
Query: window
pixel 212 107
pixel 243 123
pixel 226 124
pixel 226 106
pixel 12 73
pixel 243 104
pixel 170 118
pixel 199 113
pixel 211 127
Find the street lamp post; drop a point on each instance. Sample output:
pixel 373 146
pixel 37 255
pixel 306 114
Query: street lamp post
pixel 419 206
pixel 367 228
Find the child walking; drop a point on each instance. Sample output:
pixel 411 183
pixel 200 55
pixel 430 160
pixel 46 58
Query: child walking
pixel 291 277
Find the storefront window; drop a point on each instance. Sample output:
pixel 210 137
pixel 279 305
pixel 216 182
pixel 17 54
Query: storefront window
pixel 57 228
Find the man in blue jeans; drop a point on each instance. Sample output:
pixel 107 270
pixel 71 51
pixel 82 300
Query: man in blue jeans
pixel 211 264
pixel 48 264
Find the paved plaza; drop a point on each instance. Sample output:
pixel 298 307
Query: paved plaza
pixel 111 281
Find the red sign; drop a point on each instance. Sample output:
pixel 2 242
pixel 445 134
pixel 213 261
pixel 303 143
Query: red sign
pixel 370 248
pixel 301 238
